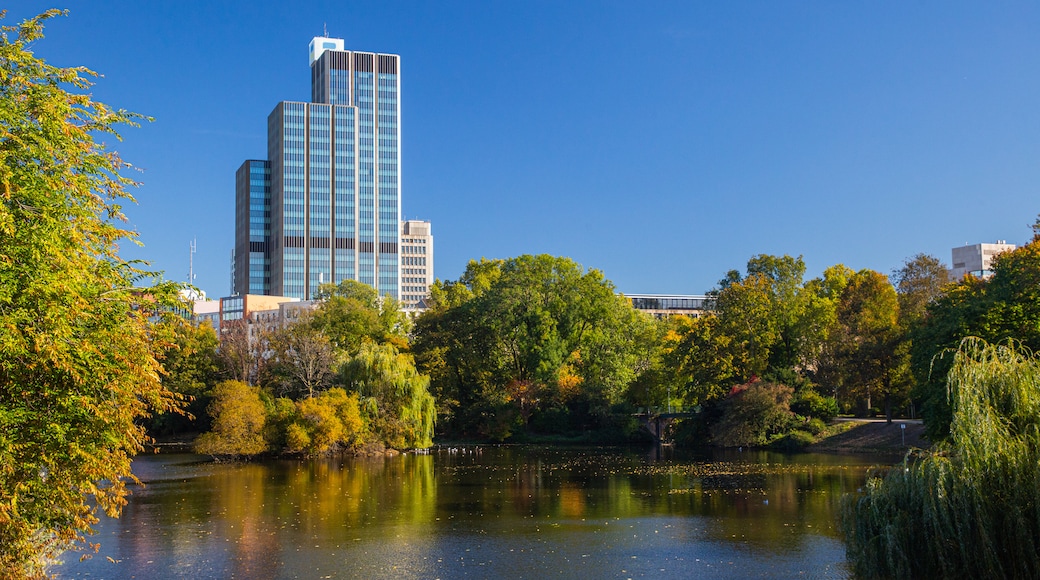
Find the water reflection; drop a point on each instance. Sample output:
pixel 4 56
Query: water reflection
pixel 484 512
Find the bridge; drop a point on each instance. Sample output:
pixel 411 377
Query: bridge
pixel 658 421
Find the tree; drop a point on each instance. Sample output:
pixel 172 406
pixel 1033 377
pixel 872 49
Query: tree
pixel 918 283
pixel 302 359
pixel 239 354
pixel 351 312
pixel 1005 306
pixel 77 364
pixel 238 421
pixel 190 368
pixel 868 342
pixel 401 409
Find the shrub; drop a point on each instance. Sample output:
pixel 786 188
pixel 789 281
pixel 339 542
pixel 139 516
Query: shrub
pixel 812 404
pixel 326 424
pixel 794 441
pixel 238 421
pixel 753 414
pixel 815 426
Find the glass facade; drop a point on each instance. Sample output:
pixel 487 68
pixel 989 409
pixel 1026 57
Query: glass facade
pixel 252 263
pixel 334 179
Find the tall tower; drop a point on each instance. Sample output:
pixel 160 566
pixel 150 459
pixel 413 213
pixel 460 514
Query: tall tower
pixel 335 178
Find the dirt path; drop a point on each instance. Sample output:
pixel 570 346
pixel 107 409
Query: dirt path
pixel 875 437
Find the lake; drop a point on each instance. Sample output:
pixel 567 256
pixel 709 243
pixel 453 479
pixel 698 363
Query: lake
pixel 483 512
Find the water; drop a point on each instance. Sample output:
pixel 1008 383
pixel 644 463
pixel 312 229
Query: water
pixel 482 512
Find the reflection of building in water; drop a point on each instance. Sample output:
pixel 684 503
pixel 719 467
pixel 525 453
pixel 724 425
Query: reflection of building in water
pixel 977 259
pixel 664 305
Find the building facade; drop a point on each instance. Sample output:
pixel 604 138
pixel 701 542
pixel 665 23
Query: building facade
pixel 333 183
pixel 665 305
pixel 976 259
pixel 416 263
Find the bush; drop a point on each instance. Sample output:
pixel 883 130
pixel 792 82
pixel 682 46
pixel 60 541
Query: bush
pixel 326 424
pixel 238 421
pixel 794 441
pixel 815 426
pixel 753 414
pixel 812 404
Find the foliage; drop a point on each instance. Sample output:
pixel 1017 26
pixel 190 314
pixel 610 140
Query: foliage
pixel 866 347
pixel 352 312
pixel 1006 306
pixel 238 421
pixel 191 369
pixel 919 282
pixel 753 414
pixel 397 401
pixel 301 359
pixel 525 335
pixel 969 508
pixel 325 424
pixel 77 359
pixel 807 402
pixel 241 358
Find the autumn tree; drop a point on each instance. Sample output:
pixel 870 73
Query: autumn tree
pixel 78 369
pixel 867 343
pixel 238 421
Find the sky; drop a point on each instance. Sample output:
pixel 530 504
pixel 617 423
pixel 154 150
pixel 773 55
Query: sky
pixel 663 143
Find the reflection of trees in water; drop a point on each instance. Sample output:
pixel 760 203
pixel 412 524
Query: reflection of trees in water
pixel 259 517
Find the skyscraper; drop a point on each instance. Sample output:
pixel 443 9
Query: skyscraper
pixel 333 195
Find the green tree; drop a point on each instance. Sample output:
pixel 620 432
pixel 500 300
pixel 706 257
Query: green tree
pixel 968 508
pixel 77 364
pixel 351 312
pixel 1005 306
pixel 918 283
pixel 526 335
pixel 190 368
pixel 401 411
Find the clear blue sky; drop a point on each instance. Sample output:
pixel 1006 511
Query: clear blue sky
pixel 663 143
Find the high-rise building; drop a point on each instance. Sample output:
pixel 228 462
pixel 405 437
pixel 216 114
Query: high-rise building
pixel 416 263
pixel 333 187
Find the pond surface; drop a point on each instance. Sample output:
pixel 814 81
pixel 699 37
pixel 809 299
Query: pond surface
pixel 483 512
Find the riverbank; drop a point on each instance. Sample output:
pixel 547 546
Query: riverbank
pixel 873 436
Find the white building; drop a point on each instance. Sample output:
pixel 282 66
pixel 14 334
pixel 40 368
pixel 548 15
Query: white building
pixel 416 264
pixel 976 259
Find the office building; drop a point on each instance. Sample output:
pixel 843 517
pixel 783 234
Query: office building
pixel 416 264
pixel 326 204
pixel 665 305
pixel 976 259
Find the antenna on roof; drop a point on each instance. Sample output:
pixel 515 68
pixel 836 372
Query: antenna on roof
pixel 325 29
pixel 191 261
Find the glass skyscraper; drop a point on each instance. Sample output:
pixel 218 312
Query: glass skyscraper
pixel 333 191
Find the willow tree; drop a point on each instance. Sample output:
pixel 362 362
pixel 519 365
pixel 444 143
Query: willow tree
pixel 397 398
pixel 77 357
pixel 969 508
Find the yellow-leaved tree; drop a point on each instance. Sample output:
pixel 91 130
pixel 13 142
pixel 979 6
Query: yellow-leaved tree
pixel 77 349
